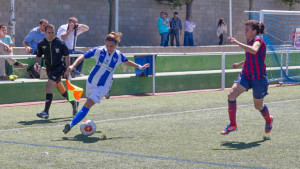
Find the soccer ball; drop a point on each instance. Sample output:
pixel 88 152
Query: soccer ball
pixel 88 127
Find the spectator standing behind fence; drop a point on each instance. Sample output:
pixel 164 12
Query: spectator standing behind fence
pixel 163 29
pixel 221 29
pixel 168 23
pixel 6 49
pixel 176 27
pixel 69 33
pixel 189 26
pixel 34 36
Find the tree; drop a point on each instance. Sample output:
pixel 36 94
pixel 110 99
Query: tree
pixel 112 16
pixel 291 3
pixel 173 4
pixel 250 7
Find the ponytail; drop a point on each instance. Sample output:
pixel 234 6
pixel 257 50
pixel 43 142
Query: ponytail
pixel 113 36
pixel 255 25
pixel 261 29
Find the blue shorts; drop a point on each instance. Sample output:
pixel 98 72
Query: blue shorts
pixel 260 87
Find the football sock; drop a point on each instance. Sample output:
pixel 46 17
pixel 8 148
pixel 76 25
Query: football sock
pixel 48 101
pixel 265 113
pixel 232 112
pixel 65 95
pixel 79 116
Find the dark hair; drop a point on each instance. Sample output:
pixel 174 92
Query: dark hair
pixel 43 20
pixel 255 25
pixel 221 21
pixel 73 18
pixel 113 36
pixel 2 26
pixel 49 26
pixel 175 13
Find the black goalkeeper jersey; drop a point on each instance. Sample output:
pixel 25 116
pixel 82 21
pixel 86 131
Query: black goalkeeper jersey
pixel 53 52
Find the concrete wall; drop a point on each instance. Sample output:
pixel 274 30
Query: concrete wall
pixel 138 18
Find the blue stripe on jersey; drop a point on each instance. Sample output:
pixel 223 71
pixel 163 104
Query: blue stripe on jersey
pixel 254 69
pixel 93 73
pixel 90 53
pixel 123 58
pixel 112 65
pixel 102 56
pixel 114 60
pixel 103 78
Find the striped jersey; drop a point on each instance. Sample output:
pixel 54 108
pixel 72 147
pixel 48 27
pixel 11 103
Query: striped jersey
pixel 102 72
pixel 254 67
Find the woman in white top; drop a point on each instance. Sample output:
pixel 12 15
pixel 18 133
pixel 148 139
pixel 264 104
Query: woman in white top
pixel 221 29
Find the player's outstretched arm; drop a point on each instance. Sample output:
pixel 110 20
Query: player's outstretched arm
pixel 251 49
pixel 132 64
pixel 236 65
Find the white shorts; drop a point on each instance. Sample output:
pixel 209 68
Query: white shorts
pixel 96 93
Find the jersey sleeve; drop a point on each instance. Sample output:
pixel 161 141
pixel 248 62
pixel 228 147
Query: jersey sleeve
pixel 257 39
pixel 123 58
pixel 9 40
pixel 61 31
pixel 29 37
pixel 39 50
pixel 65 50
pixel 90 53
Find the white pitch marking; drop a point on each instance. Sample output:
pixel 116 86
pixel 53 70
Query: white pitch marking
pixel 146 116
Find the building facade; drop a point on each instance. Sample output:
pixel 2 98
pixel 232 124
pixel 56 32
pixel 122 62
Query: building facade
pixel 137 21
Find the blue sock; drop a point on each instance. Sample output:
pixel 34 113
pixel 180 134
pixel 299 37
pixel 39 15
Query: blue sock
pixel 79 116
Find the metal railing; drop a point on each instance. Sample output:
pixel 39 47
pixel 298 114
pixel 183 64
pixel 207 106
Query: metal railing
pixel 222 54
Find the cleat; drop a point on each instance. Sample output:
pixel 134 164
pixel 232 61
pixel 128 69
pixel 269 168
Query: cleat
pixel 67 128
pixel 12 77
pixel 78 74
pixel 75 107
pixel 269 127
pixel 43 115
pixel 107 96
pixel 229 129
pixel 19 65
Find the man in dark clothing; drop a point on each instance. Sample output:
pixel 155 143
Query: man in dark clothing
pixel 176 26
pixel 56 59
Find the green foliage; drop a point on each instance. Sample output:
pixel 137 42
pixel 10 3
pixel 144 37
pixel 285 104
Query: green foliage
pixel 175 3
pixel 290 2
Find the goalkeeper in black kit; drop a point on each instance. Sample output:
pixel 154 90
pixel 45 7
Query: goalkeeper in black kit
pixel 56 59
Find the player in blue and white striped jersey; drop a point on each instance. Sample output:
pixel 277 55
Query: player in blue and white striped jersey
pixel 101 76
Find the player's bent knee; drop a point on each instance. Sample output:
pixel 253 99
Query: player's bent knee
pixel 231 96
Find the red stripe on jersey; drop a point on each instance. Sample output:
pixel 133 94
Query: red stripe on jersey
pixel 263 48
pixel 254 67
pixel 251 66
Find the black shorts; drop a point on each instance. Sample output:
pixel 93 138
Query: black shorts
pixel 56 73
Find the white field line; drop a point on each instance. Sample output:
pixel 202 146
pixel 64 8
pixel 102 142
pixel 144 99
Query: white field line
pixel 150 115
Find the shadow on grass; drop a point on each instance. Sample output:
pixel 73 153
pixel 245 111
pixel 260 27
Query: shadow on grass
pixel 45 121
pixel 90 139
pixel 236 145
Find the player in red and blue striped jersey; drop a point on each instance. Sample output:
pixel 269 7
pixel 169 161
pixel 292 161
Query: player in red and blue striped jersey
pixel 253 75
pixel 101 77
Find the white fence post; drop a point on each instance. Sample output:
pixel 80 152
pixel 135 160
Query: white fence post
pixel 281 64
pixel 153 75
pixel 287 62
pixel 223 72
